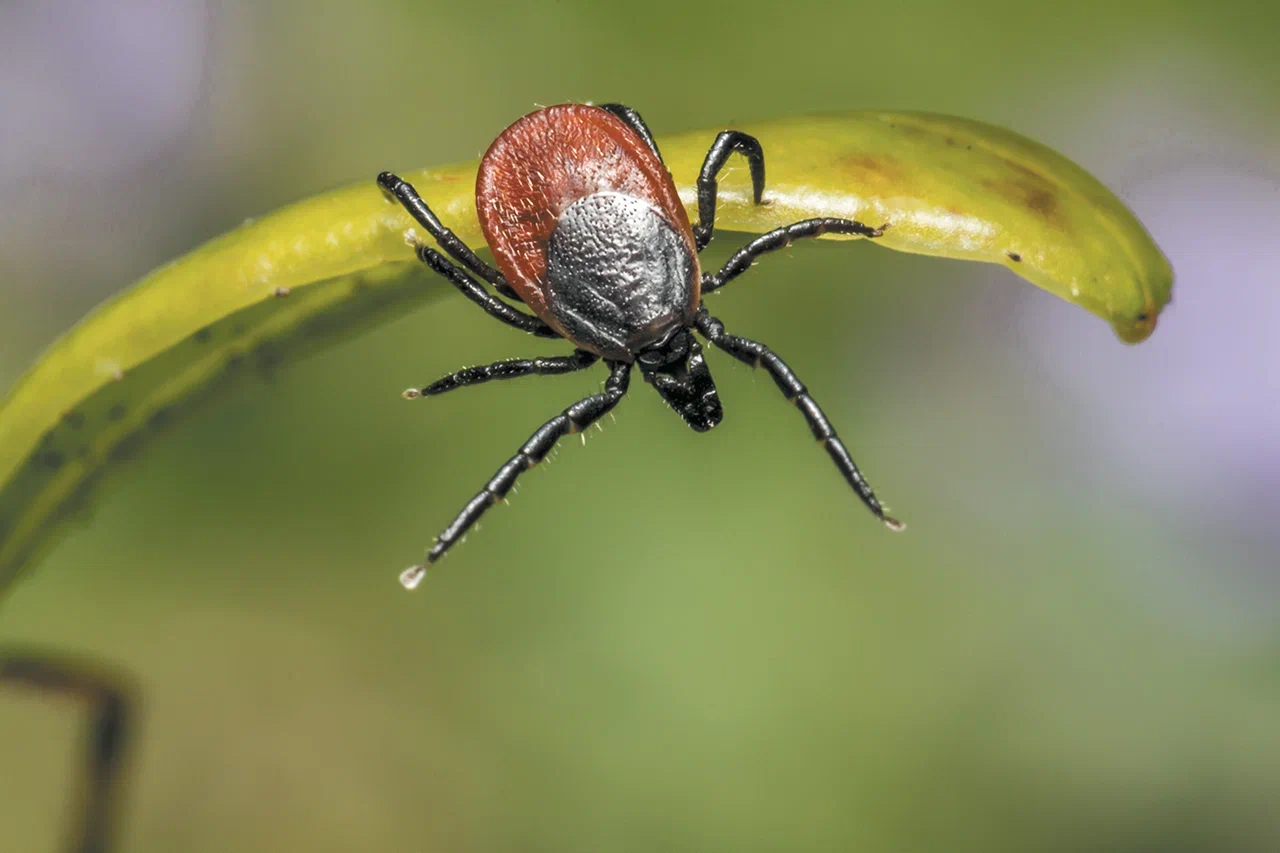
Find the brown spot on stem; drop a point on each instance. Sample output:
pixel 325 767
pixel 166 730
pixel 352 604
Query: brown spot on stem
pixel 875 175
pixel 1036 196
pixel 1042 201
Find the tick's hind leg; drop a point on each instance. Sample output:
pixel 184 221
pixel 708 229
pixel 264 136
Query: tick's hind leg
pixel 576 418
pixel 758 355
pixel 636 123
pixel 781 238
pixel 403 192
pixel 726 143
pixel 107 741
pixel 553 366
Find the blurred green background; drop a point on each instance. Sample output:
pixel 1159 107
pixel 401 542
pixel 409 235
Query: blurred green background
pixel 670 641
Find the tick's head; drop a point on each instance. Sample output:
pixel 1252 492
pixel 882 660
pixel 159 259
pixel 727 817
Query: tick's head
pixel 675 368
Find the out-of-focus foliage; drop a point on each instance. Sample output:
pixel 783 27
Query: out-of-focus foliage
pixel 671 641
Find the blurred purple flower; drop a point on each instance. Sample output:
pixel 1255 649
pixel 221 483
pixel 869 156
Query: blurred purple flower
pixel 1191 418
pixel 96 87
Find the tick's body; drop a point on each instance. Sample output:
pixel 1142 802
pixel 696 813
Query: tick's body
pixel 589 232
pixel 587 228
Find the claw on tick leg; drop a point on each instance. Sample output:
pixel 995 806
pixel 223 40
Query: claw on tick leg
pixel 412 576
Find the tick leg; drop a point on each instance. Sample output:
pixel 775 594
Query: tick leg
pixel 758 355
pixel 403 192
pixel 781 238
pixel 474 291
pixel 726 143
pixel 574 419
pixel 580 360
pixel 636 123
pixel 107 740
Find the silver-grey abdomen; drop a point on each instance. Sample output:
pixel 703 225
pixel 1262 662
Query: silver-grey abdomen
pixel 619 277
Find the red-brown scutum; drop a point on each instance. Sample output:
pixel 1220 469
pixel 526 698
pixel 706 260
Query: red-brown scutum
pixel 542 164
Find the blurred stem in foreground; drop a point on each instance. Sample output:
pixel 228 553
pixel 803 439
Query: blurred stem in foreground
pixel 108 692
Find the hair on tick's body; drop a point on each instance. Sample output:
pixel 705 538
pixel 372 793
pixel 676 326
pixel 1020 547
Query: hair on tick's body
pixel 589 233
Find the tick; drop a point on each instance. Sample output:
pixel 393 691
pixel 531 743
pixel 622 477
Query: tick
pixel 589 234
